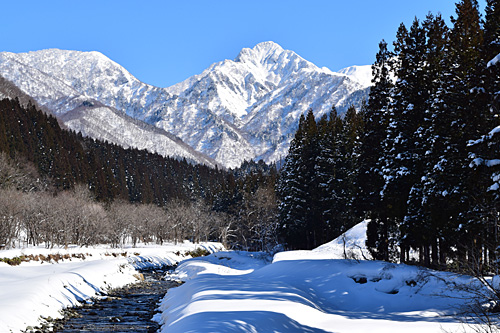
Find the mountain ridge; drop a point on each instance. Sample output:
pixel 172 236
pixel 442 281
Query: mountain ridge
pixel 235 110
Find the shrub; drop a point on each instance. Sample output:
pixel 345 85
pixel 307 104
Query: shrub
pixel 198 252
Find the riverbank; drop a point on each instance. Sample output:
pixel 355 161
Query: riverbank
pixel 306 291
pixel 38 289
pixel 127 309
pixel 317 291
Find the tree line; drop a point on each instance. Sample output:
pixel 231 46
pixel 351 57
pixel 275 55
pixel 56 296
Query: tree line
pixel 420 163
pixel 316 183
pixel 74 217
pixel 59 188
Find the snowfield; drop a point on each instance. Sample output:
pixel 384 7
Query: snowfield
pixel 39 289
pixel 311 291
pixel 295 291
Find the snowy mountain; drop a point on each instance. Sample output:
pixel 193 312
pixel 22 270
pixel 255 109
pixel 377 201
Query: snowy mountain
pixel 105 123
pixel 82 113
pixel 233 111
pixel 262 93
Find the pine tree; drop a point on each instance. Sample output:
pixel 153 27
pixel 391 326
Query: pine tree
pixel 324 173
pixel 370 181
pixel 292 192
pixel 353 131
pixel 314 232
pixel 457 120
pixel 485 152
pixel 404 140
pixel 332 177
pixel 420 229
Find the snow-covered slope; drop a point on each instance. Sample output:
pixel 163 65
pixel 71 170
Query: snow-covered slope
pixel 93 75
pixel 234 111
pixel 47 90
pixel 105 123
pixel 262 92
pixel 81 112
pixel 316 291
pixel 350 245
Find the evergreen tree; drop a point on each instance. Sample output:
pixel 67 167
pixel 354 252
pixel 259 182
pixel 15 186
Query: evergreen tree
pixel 404 140
pixel 420 229
pixel 451 173
pixel 324 172
pixel 353 131
pixel 485 152
pixel 331 177
pixel 370 180
pixel 292 192
pixel 314 233
pixel 316 183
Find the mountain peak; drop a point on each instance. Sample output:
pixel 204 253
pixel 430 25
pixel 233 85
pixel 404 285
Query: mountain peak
pixel 57 58
pixel 260 53
pixel 360 74
pixel 272 58
pixel 267 47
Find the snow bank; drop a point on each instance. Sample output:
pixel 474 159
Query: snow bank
pixel 234 292
pixel 351 245
pixel 221 263
pixel 30 292
pixel 39 289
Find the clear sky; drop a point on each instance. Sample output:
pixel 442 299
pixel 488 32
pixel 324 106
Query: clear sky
pixel 165 42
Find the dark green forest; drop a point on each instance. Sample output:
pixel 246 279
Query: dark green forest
pixel 110 171
pixel 420 159
pixel 207 204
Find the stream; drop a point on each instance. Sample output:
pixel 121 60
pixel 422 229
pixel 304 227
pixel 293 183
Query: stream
pixel 127 309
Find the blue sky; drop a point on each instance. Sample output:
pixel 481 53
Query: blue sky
pixel 165 42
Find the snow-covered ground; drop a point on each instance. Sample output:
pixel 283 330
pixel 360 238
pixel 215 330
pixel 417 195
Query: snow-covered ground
pixel 39 288
pixel 295 291
pixel 311 291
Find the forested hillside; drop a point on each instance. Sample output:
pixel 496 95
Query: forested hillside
pixel 111 171
pixel 419 162
pixel 55 167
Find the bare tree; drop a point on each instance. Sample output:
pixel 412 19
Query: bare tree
pixel 225 228
pixel 258 227
pixel 9 217
pixel 121 216
pixel 34 216
pixel 179 217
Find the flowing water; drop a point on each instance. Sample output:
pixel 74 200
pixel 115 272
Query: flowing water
pixel 127 309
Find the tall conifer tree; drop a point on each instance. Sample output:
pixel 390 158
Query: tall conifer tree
pixel 419 228
pixel 486 151
pixel 404 141
pixel 370 181
pixel 292 192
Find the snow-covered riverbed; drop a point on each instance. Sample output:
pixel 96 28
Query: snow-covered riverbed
pixel 38 289
pixel 296 291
